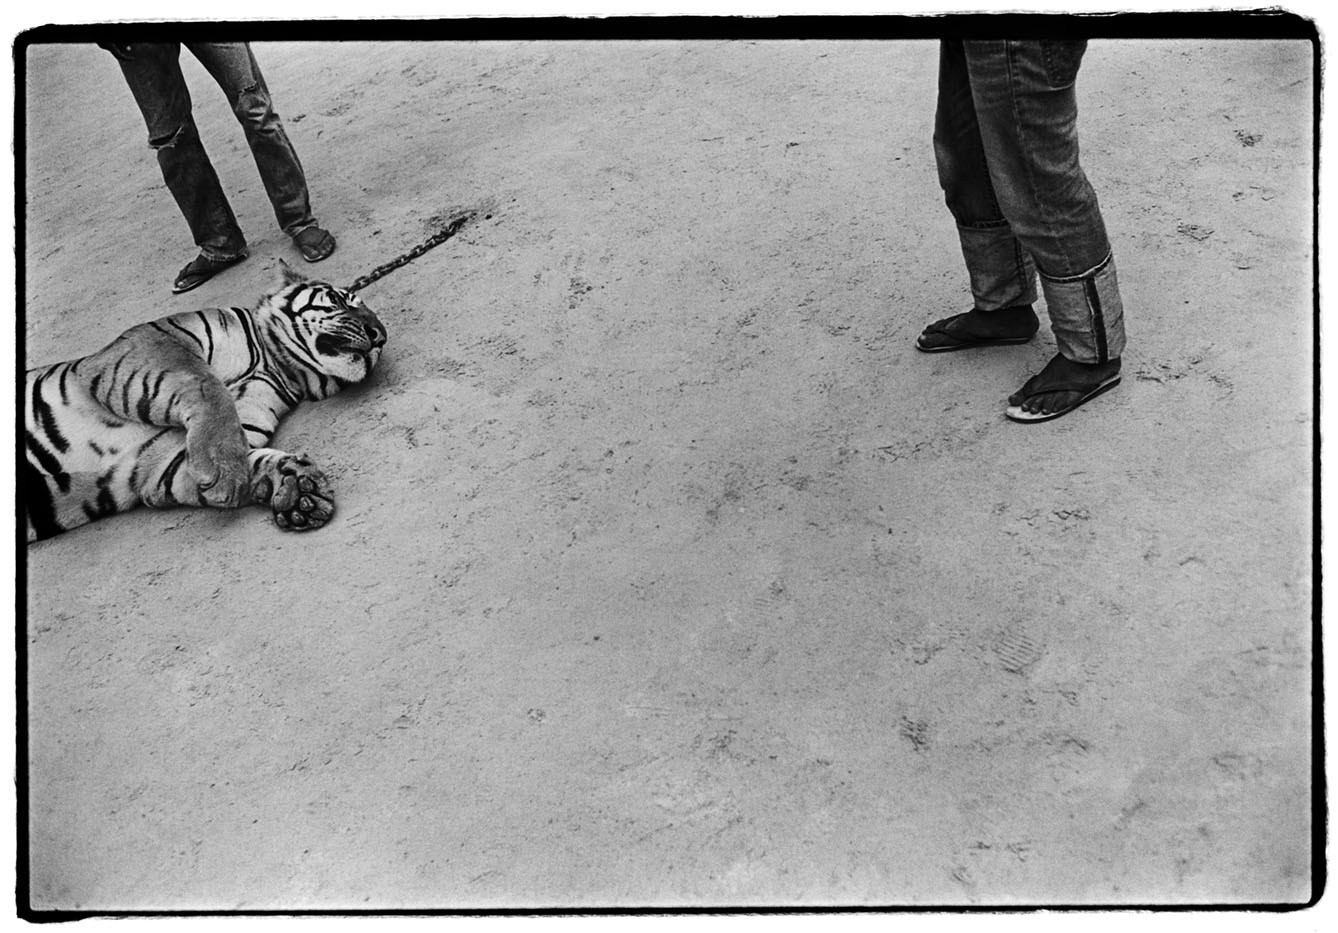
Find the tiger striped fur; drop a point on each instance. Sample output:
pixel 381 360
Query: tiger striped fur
pixel 179 411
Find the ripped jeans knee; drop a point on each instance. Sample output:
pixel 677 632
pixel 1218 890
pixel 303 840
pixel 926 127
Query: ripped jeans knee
pixel 185 132
pixel 252 106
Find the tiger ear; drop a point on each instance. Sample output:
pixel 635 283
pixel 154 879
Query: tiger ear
pixel 289 276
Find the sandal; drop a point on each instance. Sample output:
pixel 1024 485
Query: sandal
pixel 316 244
pixel 939 338
pixel 1035 387
pixel 200 270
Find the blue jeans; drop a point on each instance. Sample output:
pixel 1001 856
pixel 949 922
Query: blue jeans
pixel 154 74
pixel 1006 141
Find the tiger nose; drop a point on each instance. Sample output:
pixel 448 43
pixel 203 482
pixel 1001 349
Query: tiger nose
pixel 376 334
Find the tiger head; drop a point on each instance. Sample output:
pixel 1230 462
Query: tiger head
pixel 326 331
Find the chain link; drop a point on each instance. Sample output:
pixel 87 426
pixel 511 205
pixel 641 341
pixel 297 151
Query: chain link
pixel 441 236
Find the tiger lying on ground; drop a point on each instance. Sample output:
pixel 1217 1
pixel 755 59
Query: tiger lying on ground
pixel 178 411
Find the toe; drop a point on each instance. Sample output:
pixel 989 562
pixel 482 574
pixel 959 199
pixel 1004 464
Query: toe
pixel 1023 395
pixel 285 495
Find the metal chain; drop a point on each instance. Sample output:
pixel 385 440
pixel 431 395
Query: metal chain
pixel 441 236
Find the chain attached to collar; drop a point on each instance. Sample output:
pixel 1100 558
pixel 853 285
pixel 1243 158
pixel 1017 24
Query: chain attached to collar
pixel 441 236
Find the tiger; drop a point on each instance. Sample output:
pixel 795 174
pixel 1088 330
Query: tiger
pixel 179 411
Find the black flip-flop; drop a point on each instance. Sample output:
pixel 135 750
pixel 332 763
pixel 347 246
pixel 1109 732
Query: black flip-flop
pixel 1088 392
pixel 200 270
pixel 316 244
pixel 939 328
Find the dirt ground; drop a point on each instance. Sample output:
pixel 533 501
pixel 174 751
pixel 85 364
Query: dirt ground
pixel 666 572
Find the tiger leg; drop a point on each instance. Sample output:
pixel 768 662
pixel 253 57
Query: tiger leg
pixel 174 388
pixel 130 464
pixel 58 502
pixel 297 492
pixel 80 466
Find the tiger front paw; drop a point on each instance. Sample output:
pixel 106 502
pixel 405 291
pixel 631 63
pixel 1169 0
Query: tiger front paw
pixel 222 482
pixel 298 494
pixel 217 460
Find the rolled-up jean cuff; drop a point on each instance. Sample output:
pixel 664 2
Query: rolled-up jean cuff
pixel 1086 313
pixel 1002 272
pixel 215 255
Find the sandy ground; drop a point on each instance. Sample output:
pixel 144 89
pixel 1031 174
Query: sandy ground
pixel 666 572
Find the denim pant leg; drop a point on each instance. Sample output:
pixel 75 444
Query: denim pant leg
pixel 153 73
pixel 1001 271
pixel 234 67
pixel 1027 111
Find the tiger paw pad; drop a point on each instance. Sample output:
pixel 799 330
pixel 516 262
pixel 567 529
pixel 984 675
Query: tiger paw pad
pixel 298 494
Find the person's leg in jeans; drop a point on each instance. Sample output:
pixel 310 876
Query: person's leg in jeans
pixel 1003 278
pixel 1006 143
pixel 153 74
pixel 1027 111
pixel 234 67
